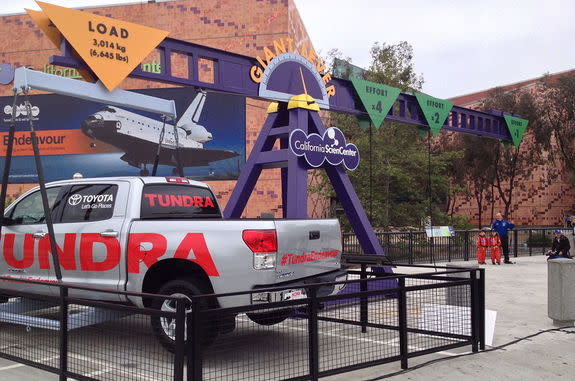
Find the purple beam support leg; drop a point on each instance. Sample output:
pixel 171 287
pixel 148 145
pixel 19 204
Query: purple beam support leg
pixel 284 174
pixel 349 200
pixel 352 206
pixel 251 172
pixel 296 206
pixel 296 200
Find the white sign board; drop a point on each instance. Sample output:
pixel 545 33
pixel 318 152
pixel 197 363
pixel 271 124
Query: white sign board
pixel 440 231
pixel 448 319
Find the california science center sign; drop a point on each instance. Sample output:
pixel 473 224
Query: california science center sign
pixel 331 148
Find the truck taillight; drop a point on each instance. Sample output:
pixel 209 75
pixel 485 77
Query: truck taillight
pixel 177 180
pixel 264 245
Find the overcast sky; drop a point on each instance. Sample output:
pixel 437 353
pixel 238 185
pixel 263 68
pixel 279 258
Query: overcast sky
pixel 460 46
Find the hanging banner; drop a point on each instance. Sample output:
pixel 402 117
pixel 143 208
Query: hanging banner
pixel 98 140
pixel 517 127
pixel 330 147
pixel 364 123
pixel 376 98
pixel 111 48
pixel 435 110
pixel 423 132
pixel 346 70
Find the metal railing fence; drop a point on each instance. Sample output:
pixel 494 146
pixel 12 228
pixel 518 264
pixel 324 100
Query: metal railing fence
pixel 415 247
pixel 297 334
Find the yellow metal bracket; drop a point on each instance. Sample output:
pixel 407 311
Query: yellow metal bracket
pixel 273 107
pixel 303 101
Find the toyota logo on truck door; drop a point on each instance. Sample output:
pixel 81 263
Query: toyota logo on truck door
pixel 74 199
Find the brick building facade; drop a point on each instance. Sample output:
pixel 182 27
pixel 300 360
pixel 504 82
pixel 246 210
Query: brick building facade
pixel 541 203
pixel 244 27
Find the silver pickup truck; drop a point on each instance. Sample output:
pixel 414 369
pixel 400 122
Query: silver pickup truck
pixel 163 235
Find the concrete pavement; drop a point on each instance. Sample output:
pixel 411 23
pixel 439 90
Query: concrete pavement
pixel 519 295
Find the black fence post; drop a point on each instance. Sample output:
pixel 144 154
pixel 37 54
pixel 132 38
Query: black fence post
pixel 402 316
pixel 466 246
pixel 410 260
pixel 481 309
pixel 180 339
pixel 63 333
pixel 515 243
pixel 194 342
pixel 8 161
pixel 474 311
pixel 313 334
pixel 530 242
pixel 363 310
pixel 449 248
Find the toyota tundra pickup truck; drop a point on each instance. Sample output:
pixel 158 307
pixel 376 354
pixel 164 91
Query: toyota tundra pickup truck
pixel 162 235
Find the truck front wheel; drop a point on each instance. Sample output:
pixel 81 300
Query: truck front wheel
pixel 164 327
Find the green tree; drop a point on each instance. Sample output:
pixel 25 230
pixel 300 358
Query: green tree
pixel 557 108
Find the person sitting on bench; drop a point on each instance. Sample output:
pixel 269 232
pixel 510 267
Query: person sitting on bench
pixel 560 247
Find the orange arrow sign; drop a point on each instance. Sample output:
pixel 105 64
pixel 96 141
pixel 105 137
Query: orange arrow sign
pixel 46 26
pixel 111 48
pixel 53 34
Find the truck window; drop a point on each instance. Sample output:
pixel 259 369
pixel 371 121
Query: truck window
pixel 30 211
pixel 178 201
pixel 89 202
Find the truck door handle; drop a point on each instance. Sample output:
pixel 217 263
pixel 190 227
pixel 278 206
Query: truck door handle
pixel 314 234
pixel 109 233
pixel 39 235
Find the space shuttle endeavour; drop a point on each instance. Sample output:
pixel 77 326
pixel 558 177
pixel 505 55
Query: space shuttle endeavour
pixel 138 136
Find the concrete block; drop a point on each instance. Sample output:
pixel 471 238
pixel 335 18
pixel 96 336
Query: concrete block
pixel 459 295
pixel 560 291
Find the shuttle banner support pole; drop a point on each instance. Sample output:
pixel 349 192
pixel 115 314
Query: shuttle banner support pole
pixel 8 162
pixel 42 184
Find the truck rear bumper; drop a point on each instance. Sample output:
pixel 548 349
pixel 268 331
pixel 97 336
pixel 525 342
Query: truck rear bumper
pixel 297 289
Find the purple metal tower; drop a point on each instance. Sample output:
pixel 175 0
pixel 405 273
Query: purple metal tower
pixel 279 124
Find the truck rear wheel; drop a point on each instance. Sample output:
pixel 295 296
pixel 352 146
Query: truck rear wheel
pixel 271 317
pixel 165 328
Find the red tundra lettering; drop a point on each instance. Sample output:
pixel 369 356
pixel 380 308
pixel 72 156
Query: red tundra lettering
pixel 209 202
pixel 67 257
pixel 178 200
pixel 197 243
pixel 149 257
pixel 87 262
pixel 151 199
pixel 192 242
pixel 28 252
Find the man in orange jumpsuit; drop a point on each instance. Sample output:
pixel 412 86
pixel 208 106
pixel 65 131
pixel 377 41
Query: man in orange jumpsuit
pixel 482 244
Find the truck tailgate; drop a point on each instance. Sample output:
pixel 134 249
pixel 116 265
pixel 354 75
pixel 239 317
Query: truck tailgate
pixel 307 247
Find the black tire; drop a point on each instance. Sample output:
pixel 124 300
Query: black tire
pixel 271 317
pixel 163 327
